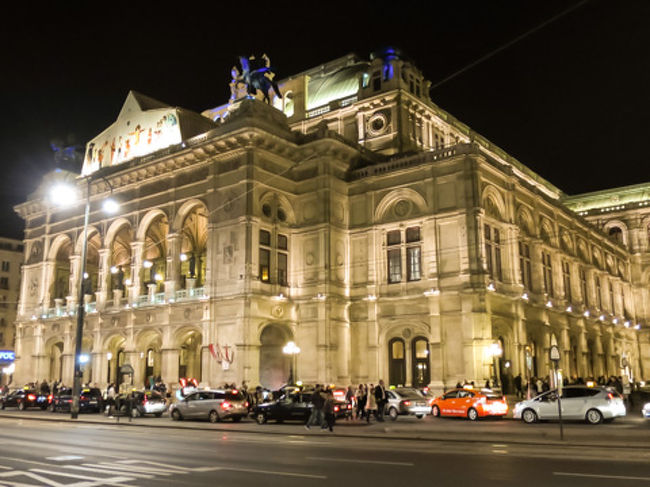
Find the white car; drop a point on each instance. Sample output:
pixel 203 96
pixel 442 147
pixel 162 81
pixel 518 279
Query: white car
pixel 591 404
pixel 646 410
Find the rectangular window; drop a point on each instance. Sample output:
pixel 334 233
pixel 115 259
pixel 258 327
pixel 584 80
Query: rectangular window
pixel 5 266
pixel 493 252
pixel 265 265
pixel 414 272
pixel 612 304
pixel 412 234
pixel 394 266
pixel 4 283
pixel 282 242
pixel 583 287
pixel 525 265
pixel 547 268
pixel 265 238
pixel 599 295
pixel 282 269
pixel 393 238
pixel 566 277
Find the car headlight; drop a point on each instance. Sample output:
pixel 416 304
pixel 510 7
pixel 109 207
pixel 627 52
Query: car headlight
pixel 646 406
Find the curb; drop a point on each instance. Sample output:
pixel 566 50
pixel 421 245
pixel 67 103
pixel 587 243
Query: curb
pixel 353 436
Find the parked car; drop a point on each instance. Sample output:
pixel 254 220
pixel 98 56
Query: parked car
pixel 213 405
pixel 470 403
pixel 591 404
pixel 646 410
pixel 24 398
pixel 143 403
pixel 406 401
pixel 295 405
pixel 90 400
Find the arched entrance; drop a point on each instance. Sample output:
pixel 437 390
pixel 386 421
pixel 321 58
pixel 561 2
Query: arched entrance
pixel 189 358
pixel 194 246
pixel 120 255
pixel 154 254
pixel 56 361
pixel 61 281
pixel 421 370
pixel 274 365
pixel 149 348
pixel 397 362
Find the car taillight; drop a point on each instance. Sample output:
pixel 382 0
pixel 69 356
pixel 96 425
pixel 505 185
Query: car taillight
pixel 349 406
pixel 246 404
pixel 145 400
pixel 406 403
pixel 225 405
pixel 49 398
pixel 610 396
pixel 336 409
pixel 31 397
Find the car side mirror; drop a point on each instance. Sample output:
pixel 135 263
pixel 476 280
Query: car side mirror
pixel 552 397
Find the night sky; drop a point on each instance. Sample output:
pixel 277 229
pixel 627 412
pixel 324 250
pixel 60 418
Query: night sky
pixel 570 100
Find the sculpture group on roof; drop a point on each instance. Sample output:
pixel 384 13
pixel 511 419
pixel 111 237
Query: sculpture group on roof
pixel 256 74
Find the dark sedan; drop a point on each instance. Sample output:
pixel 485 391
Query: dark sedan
pixel 294 406
pixel 24 398
pixel 90 400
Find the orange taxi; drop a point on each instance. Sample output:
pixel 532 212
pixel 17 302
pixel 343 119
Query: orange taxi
pixel 470 403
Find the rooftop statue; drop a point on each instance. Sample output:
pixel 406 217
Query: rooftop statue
pixel 256 74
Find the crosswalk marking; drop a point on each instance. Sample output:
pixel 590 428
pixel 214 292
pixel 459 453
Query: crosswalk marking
pixel 103 470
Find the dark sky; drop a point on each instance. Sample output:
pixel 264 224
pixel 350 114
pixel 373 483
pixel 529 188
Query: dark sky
pixel 569 101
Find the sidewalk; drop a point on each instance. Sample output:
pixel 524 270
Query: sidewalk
pixel 627 433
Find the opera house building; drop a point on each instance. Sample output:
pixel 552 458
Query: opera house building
pixel 351 216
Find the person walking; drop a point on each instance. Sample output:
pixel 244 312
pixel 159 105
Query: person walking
pixel 361 396
pixel 518 389
pixel 382 399
pixel 316 417
pixel 371 402
pixel 328 410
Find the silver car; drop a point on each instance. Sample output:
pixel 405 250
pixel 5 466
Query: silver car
pixel 407 400
pixel 213 405
pixel 645 412
pixel 591 404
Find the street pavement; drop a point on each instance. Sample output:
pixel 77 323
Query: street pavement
pixel 61 453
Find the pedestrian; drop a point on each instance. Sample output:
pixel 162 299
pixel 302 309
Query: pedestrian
pixel 382 399
pixel 328 410
pixel 518 389
pixel 316 417
pixel 361 396
pixel 350 402
pixel 45 389
pixel 371 402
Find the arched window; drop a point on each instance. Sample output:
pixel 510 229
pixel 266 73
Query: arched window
pixel 396 362
pixel 421 370
pixel 616 234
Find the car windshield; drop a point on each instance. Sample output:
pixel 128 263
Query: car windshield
pixel 234 396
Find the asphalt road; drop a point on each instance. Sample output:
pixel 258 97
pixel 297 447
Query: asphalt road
pixel 85 455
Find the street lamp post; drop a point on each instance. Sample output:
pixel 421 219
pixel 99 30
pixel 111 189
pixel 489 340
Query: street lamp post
pixel 291 349
pixel 62 195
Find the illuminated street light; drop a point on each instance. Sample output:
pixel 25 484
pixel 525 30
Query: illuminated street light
pixel 65 195
pixel 292 350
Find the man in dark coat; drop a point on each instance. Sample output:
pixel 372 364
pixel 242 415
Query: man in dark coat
pixel 382 399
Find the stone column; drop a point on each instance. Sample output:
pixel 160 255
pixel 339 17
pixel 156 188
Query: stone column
pixel 75 271
pixel 173 270
pixel 136 270
pixel 343 353
pixel 48 279
pixel 169 368
pixel 103 279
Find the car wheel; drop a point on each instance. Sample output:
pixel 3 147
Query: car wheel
pixel 472 414
pixel 594 416
pixel 435 411
pixel 260 418
pixel 236 419
pixel 529 416
pixel 176 415
pixel 419 416
pixel 157 415
pixel 393 413
pixel 21 406
pixel 213 416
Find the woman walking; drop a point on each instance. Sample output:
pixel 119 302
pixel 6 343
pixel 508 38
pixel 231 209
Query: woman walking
pixel 371 402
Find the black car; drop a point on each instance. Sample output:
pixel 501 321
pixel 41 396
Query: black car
pixel 142 403
pixel 293 406
pixel 25 398
pixel 90 400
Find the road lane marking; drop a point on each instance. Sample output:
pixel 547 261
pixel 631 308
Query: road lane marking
pixel 64 458
pixel 165 466
pixel 134 468
pixel 265 472
pixel 349 460
pixel 96 468
pixel 600 476
pixel 5 468
pixel 111 480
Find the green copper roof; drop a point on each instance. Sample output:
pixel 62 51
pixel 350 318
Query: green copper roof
pixel 324 89
pixel 637 193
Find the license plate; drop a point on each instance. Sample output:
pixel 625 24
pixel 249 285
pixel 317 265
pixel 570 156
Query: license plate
pixel 92 402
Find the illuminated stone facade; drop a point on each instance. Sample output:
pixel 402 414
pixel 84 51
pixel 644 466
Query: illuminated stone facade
pixel 366 224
